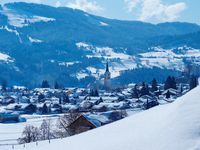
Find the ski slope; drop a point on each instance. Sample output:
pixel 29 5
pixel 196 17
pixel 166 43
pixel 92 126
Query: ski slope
pixel 174 126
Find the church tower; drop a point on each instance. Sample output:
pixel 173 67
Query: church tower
pixel 107 77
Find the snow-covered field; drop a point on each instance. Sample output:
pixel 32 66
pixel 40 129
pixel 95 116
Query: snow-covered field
pixel 9 133
pixel 175 126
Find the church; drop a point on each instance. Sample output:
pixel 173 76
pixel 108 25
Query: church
pixel 107 78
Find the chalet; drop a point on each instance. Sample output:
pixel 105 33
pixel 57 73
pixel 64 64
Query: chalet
pixel 99 108
pixel 9 117
pixel 7 100
pixel 145 98
pixel 83 123
pixel 70 108
pixel 43 108
pixel 28 108
pixel 24 99
pixel 56 108
pixel 171 93
pixel 86 105
pixel 148 101
pixel 13 107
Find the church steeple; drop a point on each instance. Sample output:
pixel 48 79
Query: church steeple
pixel 107 77
pixel 107 67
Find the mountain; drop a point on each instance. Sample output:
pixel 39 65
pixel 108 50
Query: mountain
pixel 71 46
pixel 174 126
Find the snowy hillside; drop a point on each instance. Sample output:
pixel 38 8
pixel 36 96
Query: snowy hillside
pixel 121 61
pixel 174 126
pixel 76 45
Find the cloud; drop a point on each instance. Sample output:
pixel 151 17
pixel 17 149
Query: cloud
pixel 131 4
pixel 58 4
pixel 85 5
pixel 156 10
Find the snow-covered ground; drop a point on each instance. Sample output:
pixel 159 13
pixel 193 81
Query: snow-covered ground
pixel 9 133
pixel 32 40
pixel 17 20
pixel 175 126
pixel 103 24
pixel 5 58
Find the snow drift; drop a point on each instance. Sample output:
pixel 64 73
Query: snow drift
pixel 174 126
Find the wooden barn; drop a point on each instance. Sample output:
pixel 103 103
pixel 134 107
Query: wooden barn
pixel 83 123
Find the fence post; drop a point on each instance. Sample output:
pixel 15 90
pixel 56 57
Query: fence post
pixel 13 147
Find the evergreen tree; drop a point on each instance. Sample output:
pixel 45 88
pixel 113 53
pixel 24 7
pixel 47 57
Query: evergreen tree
pixel 154 85
pixel 170 83
pixel 173 83
pixel 45 84
pixel 135 92
pixel 181 89
pixel 91 92
pixel 147 89
pixel 4 85
pixel 144 89
pixel 45 109
pixel 168 95
pixel 193 82
pixel 96 93
pixel 56 85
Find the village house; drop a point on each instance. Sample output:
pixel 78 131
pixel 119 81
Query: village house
pixel 8 117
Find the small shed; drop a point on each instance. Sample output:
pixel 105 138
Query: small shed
pixel 83 123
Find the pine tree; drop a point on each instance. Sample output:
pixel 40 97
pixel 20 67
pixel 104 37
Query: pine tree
pixel 173 83
pixel 45 84
pixel 56 85
pixel 170 83
pixel 135 92
pixel 193 82
pixel 144 89
pixel 4 85
pixel 45 109
pixel 96 93
pixel 181 89
pixel 168 95
pixel 154 85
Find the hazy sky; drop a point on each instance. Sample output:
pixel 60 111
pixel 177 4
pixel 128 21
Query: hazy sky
pixel 145 10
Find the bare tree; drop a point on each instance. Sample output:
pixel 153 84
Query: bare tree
pixel 30 134
pixel 46 132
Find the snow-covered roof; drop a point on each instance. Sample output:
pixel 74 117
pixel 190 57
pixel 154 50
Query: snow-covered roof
pixel 93 120
pixel 173 91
